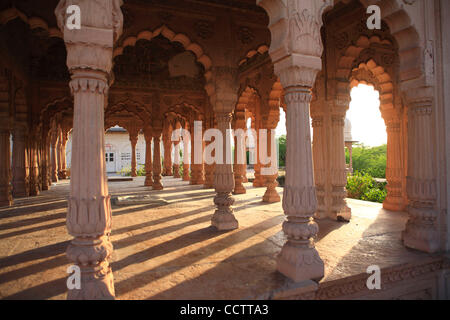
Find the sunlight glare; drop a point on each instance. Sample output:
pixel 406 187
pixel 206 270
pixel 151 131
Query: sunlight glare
pixel 368 126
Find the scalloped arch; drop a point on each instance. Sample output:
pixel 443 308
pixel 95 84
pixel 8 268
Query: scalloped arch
pixel 371 74
pixel 165 31
pixel 11 14
pixel 251 53
pixel 405 34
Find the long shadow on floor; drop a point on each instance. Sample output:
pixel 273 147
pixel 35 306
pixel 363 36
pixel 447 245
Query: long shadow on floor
pixel 160 220
pixel 228 280
pixel 43 291
pixel 35 254
pixel 144 278
pixel 28 222
pixel 34 209
pixel 33 229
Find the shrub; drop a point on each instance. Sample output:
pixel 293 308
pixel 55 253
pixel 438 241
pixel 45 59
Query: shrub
pixel 125 172
pixel 362 186
pixel 140 171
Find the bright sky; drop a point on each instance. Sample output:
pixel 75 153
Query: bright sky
pixel 364 113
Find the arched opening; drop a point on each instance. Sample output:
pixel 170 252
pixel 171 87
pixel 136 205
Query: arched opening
pixel 366 146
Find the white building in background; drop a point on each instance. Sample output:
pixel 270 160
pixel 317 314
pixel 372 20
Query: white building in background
pixel 117 150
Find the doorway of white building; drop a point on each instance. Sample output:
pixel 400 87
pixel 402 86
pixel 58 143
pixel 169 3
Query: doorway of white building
pixel 110 162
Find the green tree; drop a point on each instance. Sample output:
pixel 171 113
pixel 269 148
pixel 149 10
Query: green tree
pixel 369 160
pixel 282 151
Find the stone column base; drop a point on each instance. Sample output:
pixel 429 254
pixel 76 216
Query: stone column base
pixel 157 186
pixel 394 204
pixel 421 232
pixel 176 171
pixel 224 221
pixel 148 181
pixel 300 263
pixel 271 196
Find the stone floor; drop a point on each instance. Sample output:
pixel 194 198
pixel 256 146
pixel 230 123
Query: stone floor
pixel 167 249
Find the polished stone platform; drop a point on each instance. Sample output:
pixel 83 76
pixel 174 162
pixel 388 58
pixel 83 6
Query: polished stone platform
pixel 170 251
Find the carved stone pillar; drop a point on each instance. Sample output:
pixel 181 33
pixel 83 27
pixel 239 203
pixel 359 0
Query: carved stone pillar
pixel 299 259
pixel 259 180
pixel 223 218
pixel 64 138
pixel 186 156
pixel 422 231
pixel 209 174
pixel 240 159
pixel 5 171
pixel 148 157
pixel 197 165
pixel 176 160
pixel 271 195
pixel 394 171
pixel 45 163
pixel 34 169
pixel 338 169
pixel 349 146
pixel 54 156
pixel 49 161
pixel 19 162
pixel 319 149
pixel 330 170
pixel 89 59
pixel 210 168
pixel 157 185
pixel 133 140
pixel 59 153
pixel 167 144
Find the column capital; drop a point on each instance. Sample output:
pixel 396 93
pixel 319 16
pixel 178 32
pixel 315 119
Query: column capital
pixel 295 26
pixel 102 25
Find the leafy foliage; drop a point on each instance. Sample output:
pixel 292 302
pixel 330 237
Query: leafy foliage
pixel 362 186
pixel 126 171
pixel 282 151
pixel 369 160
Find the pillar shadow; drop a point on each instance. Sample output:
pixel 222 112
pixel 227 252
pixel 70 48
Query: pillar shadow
pixel 244 262
pixel 43 291
pixel 144 278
